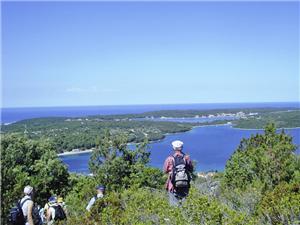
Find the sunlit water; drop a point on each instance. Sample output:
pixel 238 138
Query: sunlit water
pixel 210 146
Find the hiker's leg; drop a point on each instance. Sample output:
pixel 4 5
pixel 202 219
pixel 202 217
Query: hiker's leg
pixel 173 200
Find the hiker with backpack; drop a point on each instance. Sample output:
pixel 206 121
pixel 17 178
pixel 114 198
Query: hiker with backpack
pixel 22 213
pixel 54 211
pixel 179 168
pixel 60 201
pixel 100 194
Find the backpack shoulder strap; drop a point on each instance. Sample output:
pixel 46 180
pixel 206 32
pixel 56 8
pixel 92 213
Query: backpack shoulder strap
pixel 22 203
pixel 174 158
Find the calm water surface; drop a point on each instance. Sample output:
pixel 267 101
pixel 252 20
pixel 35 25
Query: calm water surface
pixel 210 146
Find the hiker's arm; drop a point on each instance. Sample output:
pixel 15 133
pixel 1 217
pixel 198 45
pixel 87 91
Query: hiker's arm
pixel 48 214
pixel 168 165
pixel 189 164
pixel 29 213
pixel 89 206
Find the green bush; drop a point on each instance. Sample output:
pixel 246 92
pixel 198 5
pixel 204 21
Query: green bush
pixel 245 200
pixel 151 206
pixel 267 158
pixel 83 189
pixel 281 205
pixel 118 167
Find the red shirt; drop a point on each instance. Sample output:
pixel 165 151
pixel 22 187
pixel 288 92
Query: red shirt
pixel 168 166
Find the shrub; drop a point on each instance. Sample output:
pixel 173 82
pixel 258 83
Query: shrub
pixel 117 166
pixel 281 206
pixel 151 206
pixel 267 158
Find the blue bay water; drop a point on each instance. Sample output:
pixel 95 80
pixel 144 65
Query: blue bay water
pixel 210 146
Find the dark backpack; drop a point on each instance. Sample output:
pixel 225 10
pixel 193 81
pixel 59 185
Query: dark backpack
pixel 59 212
pixel 180 174
pixel 16 216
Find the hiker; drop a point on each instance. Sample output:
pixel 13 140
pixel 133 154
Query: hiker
pixel 54 211
pixel 100 194
pixel 179 168
pixel 27 205
pixel 60 201
pixel 50 211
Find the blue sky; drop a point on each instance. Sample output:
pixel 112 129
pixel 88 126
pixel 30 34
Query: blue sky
pixel 100 53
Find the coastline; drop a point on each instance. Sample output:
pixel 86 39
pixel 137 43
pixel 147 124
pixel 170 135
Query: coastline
pixel 280 128
pixel 167 134
pixel 131 143
pixel 75 152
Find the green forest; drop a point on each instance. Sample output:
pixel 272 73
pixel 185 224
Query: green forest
pixel 81 134
pixel 260 183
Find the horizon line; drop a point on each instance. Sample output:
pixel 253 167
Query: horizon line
pixel 150 104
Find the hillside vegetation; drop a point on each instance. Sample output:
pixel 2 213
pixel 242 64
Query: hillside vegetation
pixel 286 119
pixel 81 133
pixel 260 184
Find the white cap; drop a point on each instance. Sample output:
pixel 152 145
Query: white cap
pixel 28 189
pixel 177 145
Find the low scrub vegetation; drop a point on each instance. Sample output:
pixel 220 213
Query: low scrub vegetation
pixel 260 184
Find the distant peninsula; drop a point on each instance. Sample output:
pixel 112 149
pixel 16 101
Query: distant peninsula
pixel 76 133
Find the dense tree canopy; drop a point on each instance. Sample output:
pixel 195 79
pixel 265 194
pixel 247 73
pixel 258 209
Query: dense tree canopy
pixel 29 162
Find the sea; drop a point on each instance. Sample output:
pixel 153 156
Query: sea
pixel 209 146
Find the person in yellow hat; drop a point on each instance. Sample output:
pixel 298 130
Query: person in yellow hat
pixel 60 201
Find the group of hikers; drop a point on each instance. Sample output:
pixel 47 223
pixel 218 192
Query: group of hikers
pixel 177 166
pixel 26 212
